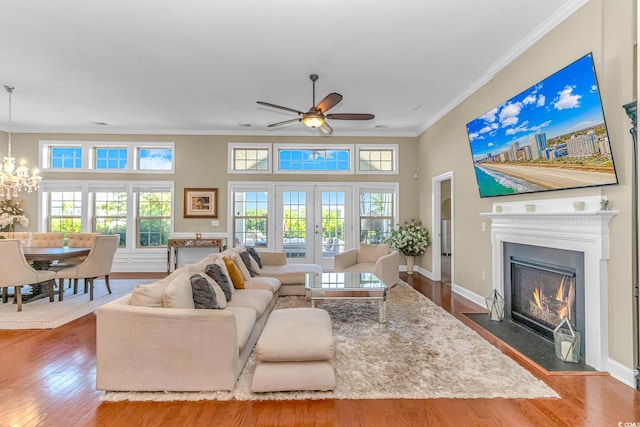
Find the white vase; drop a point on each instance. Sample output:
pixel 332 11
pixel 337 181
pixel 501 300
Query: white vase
pixel 409 264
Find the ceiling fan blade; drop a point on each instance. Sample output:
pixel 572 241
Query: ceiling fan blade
pixel 350 116
pixel 284 123
pixel 280 107
pixel 326 129
pixel 329 102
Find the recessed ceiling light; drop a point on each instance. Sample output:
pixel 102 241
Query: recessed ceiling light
pixel 100 123
pixel 245 125
pixel 381 126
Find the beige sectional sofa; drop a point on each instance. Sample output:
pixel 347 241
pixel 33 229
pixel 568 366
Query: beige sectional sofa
pixel 156 340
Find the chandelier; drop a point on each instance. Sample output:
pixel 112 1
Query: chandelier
pixel 15 179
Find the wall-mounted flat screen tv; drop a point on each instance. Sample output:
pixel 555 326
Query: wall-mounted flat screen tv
pixel 552 136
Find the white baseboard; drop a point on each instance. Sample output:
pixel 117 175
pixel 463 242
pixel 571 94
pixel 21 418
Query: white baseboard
pixel 622 373
pixel 471 296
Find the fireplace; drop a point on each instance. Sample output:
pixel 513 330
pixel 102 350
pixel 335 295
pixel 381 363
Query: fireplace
pixel 554 224
pixel 543 286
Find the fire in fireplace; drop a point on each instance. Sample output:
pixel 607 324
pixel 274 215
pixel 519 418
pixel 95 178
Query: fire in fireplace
pixel 542 295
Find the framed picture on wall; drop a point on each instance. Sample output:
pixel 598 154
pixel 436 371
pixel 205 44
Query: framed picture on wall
pixel 201 203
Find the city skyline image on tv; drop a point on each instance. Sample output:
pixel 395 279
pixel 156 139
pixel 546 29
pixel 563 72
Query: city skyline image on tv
pixel 551 136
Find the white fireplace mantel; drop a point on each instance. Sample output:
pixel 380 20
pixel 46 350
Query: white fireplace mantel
pixel 557 224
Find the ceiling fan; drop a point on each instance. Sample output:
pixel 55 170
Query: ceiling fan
pixel 316 116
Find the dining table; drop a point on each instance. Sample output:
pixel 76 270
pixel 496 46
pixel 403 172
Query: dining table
pixel 42 258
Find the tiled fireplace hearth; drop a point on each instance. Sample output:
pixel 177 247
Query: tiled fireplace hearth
pixel 575 224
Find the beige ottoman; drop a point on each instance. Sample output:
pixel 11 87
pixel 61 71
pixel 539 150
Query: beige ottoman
pixel 294 352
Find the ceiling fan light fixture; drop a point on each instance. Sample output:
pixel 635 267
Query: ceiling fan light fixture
pixel 313 120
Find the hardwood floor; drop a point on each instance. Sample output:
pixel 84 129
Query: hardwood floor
pixel 48 379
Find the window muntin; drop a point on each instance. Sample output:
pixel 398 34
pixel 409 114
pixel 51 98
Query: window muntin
pixel 65 157
pixel 251 159
pixel 153 219
pixel 314 160
pixel 376 216
pixel 111 158
pixel 64 211
pixel 156 159
pixel 250 218
pixel 110 214
pixel 374 160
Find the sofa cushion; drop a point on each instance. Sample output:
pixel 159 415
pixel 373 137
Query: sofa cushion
pixel 215 272
pixel 371 253
pixel 246 259
pixel 255 255
pixel 178 293
pixel 237 260
pixel 361 267
pixel 234 273
pixel 204 296
pixel 245 322
pixel 261 282
pixel 256 299
pixel 148 295
pixel 290 274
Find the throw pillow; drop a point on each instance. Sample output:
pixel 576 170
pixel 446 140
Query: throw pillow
pixel 204 297
pixel 237 260
pixel 246 259
pixel 370 253
pixel 254 264
pixel 148 295
pixel 178 293
pixel 215 272
pixel 223 266
pixel 220 296
pixel 234 272
pixel 255 255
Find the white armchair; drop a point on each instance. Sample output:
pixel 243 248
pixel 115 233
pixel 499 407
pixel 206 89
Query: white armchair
pixel 376 259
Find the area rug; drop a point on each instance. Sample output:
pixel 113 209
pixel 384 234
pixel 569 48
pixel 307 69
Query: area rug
pixel 42 314
pixel 422 352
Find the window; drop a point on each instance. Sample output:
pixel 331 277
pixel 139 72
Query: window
pixel 139 211
pixel 155 159
pixel 65 211
pixel 65 157
pixel 154 219
pixel 249 158
pixel 376 159
pixel 111 158
pixel 110 214
pixel 376 216
pixel 316 159
pixel 250 218
pixel 116 157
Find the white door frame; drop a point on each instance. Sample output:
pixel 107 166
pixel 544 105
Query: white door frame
pixel 436 226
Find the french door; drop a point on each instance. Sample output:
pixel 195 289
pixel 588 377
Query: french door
pixel 316 221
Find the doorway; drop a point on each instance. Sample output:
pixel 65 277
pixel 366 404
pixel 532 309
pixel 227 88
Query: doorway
pixel 443 227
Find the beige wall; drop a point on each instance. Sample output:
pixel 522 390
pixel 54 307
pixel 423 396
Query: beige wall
pixel 608 30
pixel 201 161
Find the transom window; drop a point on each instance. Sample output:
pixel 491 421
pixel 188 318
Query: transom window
pixel 86 156
pixel 311 160
pixel 376 160
pixel 111 158
pixel 249 159
pixel 65 157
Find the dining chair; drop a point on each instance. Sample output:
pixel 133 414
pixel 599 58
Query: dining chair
pixel 75 240
pixel 23 236
pixel 97 264
pixel 46 240
pixel 16 271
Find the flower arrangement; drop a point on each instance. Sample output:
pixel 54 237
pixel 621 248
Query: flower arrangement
pixel 11 212
pixel 412 239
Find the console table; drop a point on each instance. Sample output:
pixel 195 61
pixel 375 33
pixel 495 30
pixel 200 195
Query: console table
pixel 174 244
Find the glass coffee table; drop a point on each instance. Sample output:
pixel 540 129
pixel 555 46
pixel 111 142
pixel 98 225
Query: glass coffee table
pixel 354 286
